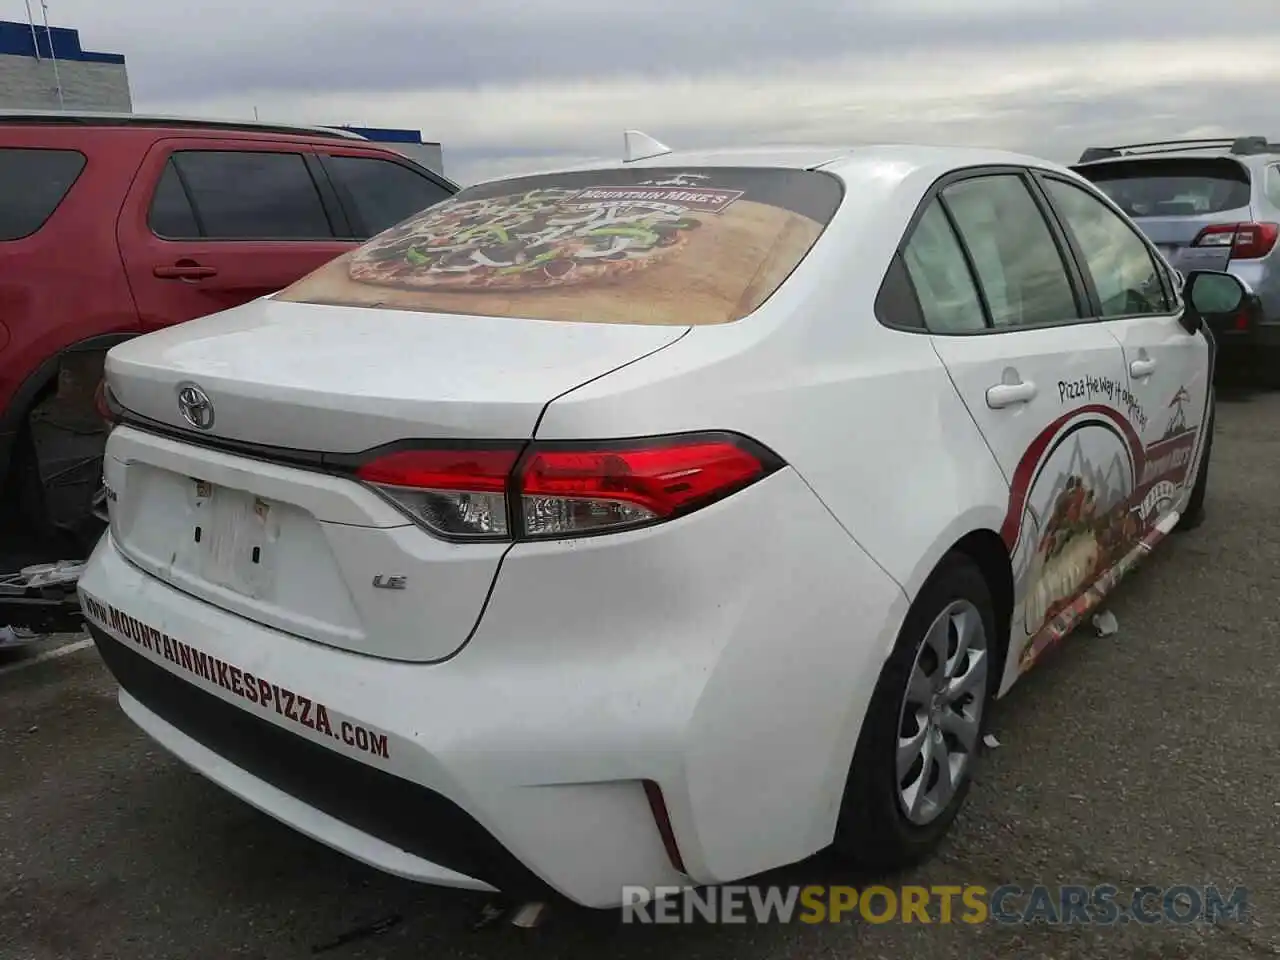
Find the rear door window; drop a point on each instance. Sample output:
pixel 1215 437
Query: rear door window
pixel 172 216
pixel 32 185
pixel 665 245
pixel 381 193
pixel 1273 185
pixel 1172 187
pixel 253 195
pixel 941 278
pixel 1020 268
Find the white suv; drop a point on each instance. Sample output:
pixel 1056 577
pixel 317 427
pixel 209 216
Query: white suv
pixel 651 523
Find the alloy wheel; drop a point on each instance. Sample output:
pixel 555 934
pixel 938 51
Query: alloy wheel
pixel 941 716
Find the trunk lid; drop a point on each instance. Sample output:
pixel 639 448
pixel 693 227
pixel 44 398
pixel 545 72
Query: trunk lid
pixel 301 549
pixel 1172 199
pixel 1174 236
pixel 344 379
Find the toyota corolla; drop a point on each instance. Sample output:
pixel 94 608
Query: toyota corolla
pixel 654 522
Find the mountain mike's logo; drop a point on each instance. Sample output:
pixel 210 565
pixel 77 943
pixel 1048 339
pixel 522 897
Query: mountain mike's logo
pixel 684 190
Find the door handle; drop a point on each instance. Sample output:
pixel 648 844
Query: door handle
pixel 1142 368
pixel 1007 394
pixel 184 271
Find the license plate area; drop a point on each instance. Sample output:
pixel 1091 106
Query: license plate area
pixel 231 539
pixel 227 543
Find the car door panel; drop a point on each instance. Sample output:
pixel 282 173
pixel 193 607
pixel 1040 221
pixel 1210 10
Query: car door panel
pixel 1046 388
pixel 1167 367
pixel 1067 451
pixel 186 259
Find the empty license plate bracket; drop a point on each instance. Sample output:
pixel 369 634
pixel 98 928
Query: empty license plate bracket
pixel 231 538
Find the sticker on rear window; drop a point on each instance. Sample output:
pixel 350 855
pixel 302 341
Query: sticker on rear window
pixel 646 245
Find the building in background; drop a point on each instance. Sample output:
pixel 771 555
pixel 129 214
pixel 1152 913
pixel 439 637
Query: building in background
pixel 47 69
pixel 35 64
pixel 408 142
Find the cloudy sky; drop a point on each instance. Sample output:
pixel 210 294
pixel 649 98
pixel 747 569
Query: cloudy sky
pixel 509 86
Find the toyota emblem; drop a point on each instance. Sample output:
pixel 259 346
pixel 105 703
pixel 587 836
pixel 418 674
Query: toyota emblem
pixel 195 406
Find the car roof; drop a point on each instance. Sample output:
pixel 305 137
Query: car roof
pixel 841 160
pixel 1244 150
pixel 89 118
pixel 1253 164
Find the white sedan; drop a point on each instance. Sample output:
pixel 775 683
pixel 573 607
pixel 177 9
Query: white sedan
pixel 649 523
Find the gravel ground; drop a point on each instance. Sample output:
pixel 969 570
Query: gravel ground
pixel 1136 759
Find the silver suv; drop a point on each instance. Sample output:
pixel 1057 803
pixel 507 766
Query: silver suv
pixel 1208 205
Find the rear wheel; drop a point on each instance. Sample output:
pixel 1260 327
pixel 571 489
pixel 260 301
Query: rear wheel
pixel 923 732
pixel 22 502
pixel 30 534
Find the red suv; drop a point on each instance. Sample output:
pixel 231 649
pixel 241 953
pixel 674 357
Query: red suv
pixel 113 226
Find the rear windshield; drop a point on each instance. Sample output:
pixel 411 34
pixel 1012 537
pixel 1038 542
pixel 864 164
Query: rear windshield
pixel 650 245
pixel 1174 187
pixel 32 184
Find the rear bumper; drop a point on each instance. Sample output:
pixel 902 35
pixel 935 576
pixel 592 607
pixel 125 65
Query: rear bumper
pixel 374 816
pixel 729 662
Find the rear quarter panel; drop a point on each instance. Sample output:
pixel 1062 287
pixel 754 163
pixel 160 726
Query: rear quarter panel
pixel 868 420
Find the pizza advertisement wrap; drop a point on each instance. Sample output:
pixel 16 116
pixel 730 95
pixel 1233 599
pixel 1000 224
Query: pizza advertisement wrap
pixel 658 246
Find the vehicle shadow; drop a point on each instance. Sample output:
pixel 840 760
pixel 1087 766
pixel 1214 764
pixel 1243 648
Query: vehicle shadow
pixel 1236 392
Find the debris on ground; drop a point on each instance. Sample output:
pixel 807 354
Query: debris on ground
pixel 377 928
pixel 990 740
pixel 1105 623
pixel 16 637
pixel 489 915
pixel 529 916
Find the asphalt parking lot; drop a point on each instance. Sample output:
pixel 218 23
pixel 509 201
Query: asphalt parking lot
pixel 1143 758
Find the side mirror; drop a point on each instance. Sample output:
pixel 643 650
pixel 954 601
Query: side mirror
pixel 1209 295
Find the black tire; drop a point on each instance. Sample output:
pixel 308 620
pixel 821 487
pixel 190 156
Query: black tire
pixel 1194 514
pixel 28 534
pixel 23 499
pixel 873 831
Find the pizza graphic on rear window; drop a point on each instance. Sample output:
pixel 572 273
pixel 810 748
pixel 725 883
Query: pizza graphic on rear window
pixel 542 238
pixel 629 245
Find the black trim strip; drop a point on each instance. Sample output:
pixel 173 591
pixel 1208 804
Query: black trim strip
pixel 288 456
pixel 988 318
pixel 397 811
pixel 1068 250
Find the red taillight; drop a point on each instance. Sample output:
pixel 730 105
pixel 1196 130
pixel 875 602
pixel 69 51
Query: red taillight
pixel 457 493
pixel 564 489
pixel 473 471
pixel 573 490
pixel 1248 241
